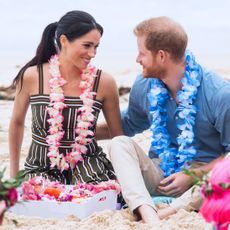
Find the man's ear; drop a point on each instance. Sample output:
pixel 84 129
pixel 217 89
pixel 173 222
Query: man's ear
pixel 161 56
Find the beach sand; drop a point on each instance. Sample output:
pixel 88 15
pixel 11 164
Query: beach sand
pixel 112 220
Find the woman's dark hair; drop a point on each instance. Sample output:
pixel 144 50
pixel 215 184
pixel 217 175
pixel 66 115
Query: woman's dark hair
pixel 73 24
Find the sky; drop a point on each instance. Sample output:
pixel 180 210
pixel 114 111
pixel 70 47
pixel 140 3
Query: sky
pixel 22 23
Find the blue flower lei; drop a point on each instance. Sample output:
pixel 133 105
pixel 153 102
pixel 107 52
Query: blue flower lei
pixel 173 159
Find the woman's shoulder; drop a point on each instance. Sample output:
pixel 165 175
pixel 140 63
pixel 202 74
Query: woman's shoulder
pixel 30 73
pixel 107 86
pixel 106 76
pixel 106 79
pixel 30 80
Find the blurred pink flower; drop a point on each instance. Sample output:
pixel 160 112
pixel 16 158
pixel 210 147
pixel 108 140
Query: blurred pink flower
pixel 8 192
pixel 13 196
pixel 221 172
pixel 28 191
pixel 216 205
pixel 2 209
pixel 2 206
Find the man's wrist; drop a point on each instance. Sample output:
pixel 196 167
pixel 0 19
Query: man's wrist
pixel 199 172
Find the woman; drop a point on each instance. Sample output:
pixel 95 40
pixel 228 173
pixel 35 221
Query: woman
pixel 66 95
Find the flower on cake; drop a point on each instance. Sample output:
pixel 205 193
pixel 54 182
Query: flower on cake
pixel 39 188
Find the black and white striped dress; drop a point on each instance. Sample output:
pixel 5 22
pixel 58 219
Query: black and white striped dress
pixel 95 167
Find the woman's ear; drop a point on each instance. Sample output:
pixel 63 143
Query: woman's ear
pixel 63 41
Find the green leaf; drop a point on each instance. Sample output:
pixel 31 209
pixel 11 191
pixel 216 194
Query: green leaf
pixel 11 181
pixel 193 189
pixel 2 173
pixel 8 185
pixel 191 173
pixel 20 175
pixel 15 222
pixel 225 186
pixel 3 192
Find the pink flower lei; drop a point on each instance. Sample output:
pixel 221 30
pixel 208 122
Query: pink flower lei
pixel 84 120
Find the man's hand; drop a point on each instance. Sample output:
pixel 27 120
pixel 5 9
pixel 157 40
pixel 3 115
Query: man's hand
pixel 175 184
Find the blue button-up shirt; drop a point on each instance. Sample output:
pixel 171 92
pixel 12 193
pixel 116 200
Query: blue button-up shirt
pixel 212 126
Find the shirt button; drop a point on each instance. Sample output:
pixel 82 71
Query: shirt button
pixel 171 98
pixel 176 118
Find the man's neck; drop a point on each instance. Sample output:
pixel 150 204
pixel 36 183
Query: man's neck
pixel 172 78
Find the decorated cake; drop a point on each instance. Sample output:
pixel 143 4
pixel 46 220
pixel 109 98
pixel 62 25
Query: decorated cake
pixel 39 188
pixel 48 199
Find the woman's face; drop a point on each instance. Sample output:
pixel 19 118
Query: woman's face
pixel 80 51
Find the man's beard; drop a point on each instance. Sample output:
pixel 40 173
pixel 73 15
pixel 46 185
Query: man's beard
pixel 154 73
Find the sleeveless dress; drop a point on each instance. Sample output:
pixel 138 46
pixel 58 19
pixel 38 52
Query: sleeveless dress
pixel 93 169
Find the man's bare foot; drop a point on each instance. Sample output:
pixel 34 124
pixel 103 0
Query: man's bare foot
pixel 165 212
pixel 147 214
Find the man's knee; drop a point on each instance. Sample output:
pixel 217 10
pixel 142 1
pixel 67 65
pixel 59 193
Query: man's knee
pixel 118 142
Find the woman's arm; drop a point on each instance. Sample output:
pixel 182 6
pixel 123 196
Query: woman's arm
pixel 102 131
pixel 110 97
pixel 16 127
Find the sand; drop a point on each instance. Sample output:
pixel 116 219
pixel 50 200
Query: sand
pixel 113 220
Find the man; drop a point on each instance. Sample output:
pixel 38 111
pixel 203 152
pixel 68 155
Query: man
pixel 187 110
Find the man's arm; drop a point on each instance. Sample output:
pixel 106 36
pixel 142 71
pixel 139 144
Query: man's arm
pixel 178 183
pixel 135 117
pixel 221 112
pixel 206 168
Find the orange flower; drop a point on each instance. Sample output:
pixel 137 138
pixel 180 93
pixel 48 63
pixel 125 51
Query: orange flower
pixel 52 192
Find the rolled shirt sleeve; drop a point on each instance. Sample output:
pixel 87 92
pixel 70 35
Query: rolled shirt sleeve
pixel 221 105
pixel 136 118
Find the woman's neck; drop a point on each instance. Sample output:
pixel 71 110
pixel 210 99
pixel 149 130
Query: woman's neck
pixel 68 71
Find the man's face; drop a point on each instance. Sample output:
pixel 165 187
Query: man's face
pixel 148 60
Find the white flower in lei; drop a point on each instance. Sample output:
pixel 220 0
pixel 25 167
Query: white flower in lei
pixel 84 119
pixel 172 159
